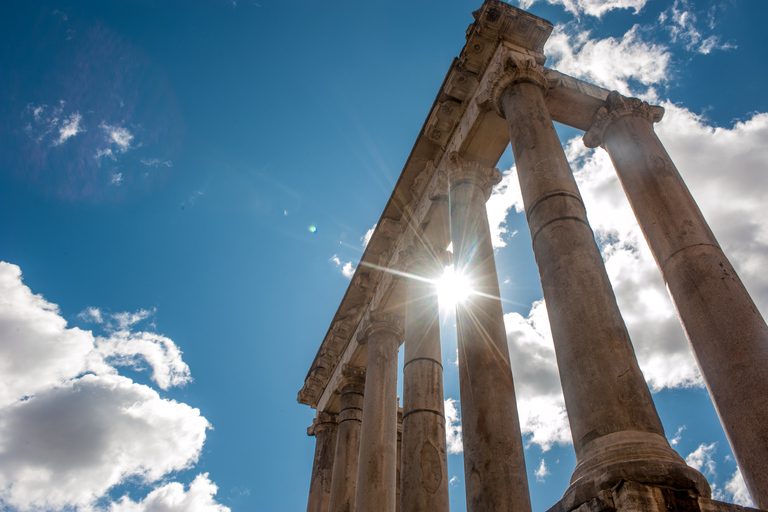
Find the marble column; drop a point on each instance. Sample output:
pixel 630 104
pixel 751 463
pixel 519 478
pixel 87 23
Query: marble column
pixel 494 467
pixel 377 466
pixel 399 464
pixel 351 385
pixel 425 461
pixel 616 430
pixel 728 335
pixel 324 428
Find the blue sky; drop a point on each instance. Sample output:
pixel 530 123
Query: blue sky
pixel 164 295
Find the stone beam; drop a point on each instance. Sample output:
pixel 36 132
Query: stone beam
pixel 457 122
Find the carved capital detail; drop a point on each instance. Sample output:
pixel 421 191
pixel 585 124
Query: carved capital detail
pixel 616 106
pixel 464 171
pixel 420 258
pixel 324 421
pixel 380 321
pixel 351 378
pixel 513 69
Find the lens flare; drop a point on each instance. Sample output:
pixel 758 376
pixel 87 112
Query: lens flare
pixel 452 288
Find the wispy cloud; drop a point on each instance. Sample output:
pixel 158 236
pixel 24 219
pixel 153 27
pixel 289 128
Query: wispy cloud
pixel 347 269
pixel 368 234
pixel 542 471
pixel 678 436
pixel 156 162
pixel 117 179
pixel 119 136
pixel 682 23
pixel 70 128
pixel 591 7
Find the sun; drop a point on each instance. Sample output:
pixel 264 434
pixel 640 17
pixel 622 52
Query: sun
pixel 452 288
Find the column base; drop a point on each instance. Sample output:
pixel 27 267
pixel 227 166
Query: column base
pixel 636 497
pixel 638 457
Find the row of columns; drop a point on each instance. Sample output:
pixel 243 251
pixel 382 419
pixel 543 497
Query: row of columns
pixel 617 433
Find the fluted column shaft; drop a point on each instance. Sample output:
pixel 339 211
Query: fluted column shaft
pixel 494 467
pixel 343 483
pixel 377 469
pixel 324 429
pixel 615 427
pixel 424 476
pixel 728 335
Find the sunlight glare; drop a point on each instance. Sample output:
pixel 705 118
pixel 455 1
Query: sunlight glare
pixel 452 288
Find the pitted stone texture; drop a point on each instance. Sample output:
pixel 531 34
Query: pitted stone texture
pixel 351 385
pixel 728 335
pixel 617 106
pixel 324 429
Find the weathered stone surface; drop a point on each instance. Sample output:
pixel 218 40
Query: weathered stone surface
pixel 324 429
pixel 351 387
pixel 728 335
pixel 494 467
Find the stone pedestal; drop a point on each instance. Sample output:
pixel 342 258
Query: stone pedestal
pixel 324 429
pixel 425 463
pixel 494 468
pixel 634 497
pixel 728 335
pixel 377 466
pixel 616 431
pixel 351 386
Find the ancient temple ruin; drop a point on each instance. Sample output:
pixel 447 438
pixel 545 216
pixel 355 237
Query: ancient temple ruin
pixel 370 456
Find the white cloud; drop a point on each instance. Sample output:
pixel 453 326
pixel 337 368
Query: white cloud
pixel 454 480
pixel 505 195
pixel 737 490
pixel 542 471
pixel 701 459
pixel 681 23
pixel 611 63
pixel 678 436
pixel 117 179
pixel 156 162
pixel 118 135
pixel 172 498
pixel 70 128
pixel 71 428
pixel 368 234
pixel 592 7
pixel 453 427
pixel 346 267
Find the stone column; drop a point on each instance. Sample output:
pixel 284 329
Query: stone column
pixel 616 430
pixel 377 471
pixel 399 465
pixel 728 335
pixel 494 467
pixel 351 385
pixel 425 460
pixel 324 428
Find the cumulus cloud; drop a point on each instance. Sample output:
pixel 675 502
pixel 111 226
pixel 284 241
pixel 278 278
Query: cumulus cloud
pixel 346 267
pixel 453 427
pixel 71 427
pixel 52 121
pixel 172 498
pixel 736 490
pixel 591 7
pixel 612 63
pixel 70 128
pixel 505 195
pixel 701 459
pixel 119 136
pixel 542 471
pixel 367 236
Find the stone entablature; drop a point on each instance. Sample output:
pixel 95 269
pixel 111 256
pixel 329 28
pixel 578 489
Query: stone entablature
pixel 456 123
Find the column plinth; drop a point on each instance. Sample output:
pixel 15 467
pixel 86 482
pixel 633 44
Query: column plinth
pixel 377 466
pixel 494 467
pixel 728 335
pixel 616 430
pixel 324 429
pixel 425 464
pixel 351 385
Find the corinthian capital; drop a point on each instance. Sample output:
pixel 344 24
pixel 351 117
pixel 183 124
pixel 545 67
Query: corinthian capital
pixel 616 106
pixel 509 68
pixel 380 321
pixel 465 171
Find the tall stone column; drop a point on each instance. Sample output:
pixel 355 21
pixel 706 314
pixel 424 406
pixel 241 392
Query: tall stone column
pixel 425 460
pixel 616 430
pixel 494 467
pixel 324 428
pixel 728 335
pixel 343 484
pixel 377 471
pixel 399 464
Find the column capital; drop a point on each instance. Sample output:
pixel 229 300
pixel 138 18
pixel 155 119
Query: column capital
pixel 322 422
pixel 510 68
pixel 351 379
pixel 380 321
pixel 419 257
pixel 465 171
pixel 616 106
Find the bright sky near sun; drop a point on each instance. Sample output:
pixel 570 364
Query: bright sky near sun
pixel 186 189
